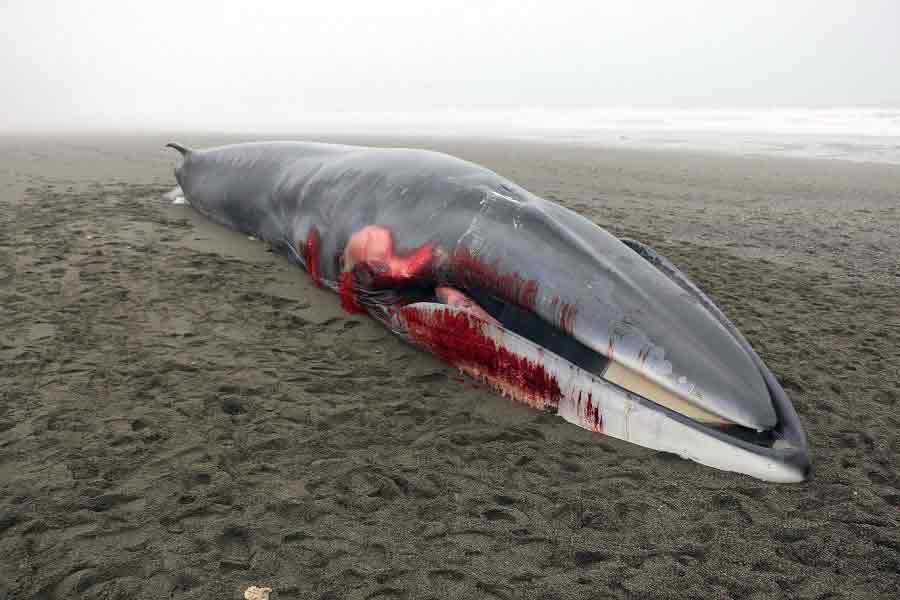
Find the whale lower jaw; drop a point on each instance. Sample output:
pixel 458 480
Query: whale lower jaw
pixel 529 373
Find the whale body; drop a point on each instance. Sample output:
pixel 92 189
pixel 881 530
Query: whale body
pixel 532 298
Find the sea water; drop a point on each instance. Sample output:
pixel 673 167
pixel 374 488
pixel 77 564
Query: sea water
pixel 856 134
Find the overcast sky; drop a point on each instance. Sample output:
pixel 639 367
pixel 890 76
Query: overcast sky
pixel 228 65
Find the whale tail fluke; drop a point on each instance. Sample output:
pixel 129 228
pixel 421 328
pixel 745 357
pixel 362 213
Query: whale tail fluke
pixel 184 151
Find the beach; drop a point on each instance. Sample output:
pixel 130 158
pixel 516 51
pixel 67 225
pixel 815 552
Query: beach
pixel 183 414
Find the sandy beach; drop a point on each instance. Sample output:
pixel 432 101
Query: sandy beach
pixel 184 415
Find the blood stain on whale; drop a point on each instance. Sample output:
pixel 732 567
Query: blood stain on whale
pixel 471 272
pixel 347 290
pixel 312 256
pixel 459 339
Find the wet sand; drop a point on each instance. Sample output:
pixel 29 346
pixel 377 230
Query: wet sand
pixel 183 414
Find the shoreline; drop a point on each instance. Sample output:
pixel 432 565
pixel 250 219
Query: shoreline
pixel 679 142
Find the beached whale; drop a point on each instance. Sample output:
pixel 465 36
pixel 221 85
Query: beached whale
pixel 530 297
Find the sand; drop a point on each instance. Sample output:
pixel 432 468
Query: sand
pixel 183 415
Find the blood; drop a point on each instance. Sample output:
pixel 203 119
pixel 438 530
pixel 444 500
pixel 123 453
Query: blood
pixel 374 246
pixel 459 339
pixel 371 263
pixel 312 255
pixel 470 272
pixel 347 290
pixel 592 412
pixel 567 315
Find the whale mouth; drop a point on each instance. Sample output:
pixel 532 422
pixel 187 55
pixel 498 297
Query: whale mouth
pixel 517 352
pixel 533 374
pixel 371 290
pixel 486 305
pixel 532 327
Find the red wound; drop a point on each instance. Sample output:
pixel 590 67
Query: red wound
pixel 349 298
pixel 370 253
pixel 459 339
pixel 312 256
pixel 374 245
pixel 567 314
pixel 470 272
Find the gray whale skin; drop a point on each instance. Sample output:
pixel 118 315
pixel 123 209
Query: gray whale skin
pixel 535 300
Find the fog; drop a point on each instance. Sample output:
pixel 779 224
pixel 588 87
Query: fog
pixel 286 65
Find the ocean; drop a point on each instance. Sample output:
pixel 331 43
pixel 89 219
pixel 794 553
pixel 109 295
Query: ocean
pixel 855 134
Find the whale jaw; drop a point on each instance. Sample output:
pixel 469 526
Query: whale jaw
pixel 529 373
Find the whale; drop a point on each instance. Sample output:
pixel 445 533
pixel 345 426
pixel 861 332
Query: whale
pixel 521 293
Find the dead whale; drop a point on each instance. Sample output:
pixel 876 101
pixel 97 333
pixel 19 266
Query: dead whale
pixel 542 304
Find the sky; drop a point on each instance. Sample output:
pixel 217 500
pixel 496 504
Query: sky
pixel 222 65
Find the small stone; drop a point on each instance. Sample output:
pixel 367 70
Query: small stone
pixel 257 593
